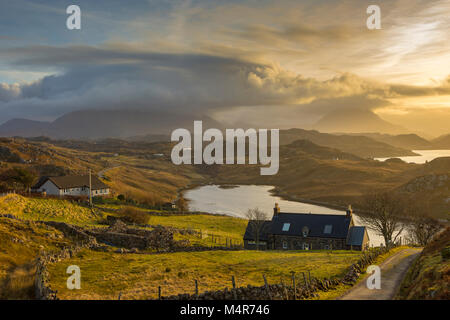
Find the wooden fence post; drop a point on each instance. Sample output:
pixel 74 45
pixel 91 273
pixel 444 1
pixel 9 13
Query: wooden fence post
pixel 293 285
pixel 196 289
pixel 159 293
pixel 233 281
pixel 266 285
pixel 304 279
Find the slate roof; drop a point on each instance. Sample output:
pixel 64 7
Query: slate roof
pixel 315 222
pixel 264 232
pixel 67 182
pixel 356 236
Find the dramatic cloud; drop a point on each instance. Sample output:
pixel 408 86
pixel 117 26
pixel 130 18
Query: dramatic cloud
pixel 297 60
pixel 113 77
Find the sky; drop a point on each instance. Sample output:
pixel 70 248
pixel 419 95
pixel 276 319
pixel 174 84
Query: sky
pixel 263 63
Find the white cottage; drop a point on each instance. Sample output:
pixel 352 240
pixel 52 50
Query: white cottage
pixel 71 186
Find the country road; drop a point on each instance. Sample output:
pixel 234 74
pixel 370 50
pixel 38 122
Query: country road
pixel 393 270
pixel 101 174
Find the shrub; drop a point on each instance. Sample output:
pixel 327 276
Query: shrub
pixel 121 197
pixel 132 215
pixel 445 253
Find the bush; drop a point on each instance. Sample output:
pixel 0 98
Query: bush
pixel 132 215
pixel 445 253
pixel 121 197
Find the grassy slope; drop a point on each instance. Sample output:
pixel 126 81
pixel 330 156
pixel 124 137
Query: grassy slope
pixel 137 276
pixel 429 276
pixel 20 243
pixel 46 209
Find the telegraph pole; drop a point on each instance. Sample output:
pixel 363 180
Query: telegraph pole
pixel 90 188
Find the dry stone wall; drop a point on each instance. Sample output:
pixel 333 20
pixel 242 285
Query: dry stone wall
pixel 307 289
pixel 42 287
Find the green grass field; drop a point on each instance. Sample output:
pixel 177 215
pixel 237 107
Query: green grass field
pixel 46 209
pixel 222 226
pixel 137 276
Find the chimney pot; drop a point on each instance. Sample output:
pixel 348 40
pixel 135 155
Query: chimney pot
pixel 349 211
pixel 276 210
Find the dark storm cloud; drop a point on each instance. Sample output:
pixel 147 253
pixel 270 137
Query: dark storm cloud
pixel 121 77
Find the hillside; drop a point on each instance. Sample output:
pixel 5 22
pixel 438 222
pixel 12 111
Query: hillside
pixel 46 209
pixel 431 185
pixel 144 172
pixel 310 172
pixel 361 146
pixel 442 142
pixel 429 276
pixel 355 120
pixel 20 243
pixel 405 141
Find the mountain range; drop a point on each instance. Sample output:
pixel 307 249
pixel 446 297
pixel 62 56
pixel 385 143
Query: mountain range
pixel 98 124
pixel 351 120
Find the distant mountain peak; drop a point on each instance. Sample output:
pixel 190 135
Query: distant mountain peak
pixel 350 120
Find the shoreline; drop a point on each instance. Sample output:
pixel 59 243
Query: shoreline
pixel 275 191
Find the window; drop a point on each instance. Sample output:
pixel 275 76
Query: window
pixel 327 229
pixel 286 226
pixel 285 245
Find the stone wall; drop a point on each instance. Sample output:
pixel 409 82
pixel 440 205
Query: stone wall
pixel 69 230
pixel 120 235
pixel 296 243
pixel 308 287
pixel 42 287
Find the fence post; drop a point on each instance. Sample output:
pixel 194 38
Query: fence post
pixel 196 289
pixel 293 285
pixel 266 285
pixel 233 281
pixel 304 279
pixel 159 293
pixel 309 276
pixel 120 294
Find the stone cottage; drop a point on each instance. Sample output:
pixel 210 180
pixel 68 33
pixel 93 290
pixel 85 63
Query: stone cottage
pixel 306 231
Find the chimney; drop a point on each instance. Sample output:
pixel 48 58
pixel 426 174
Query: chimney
pixel 349 211
pixel 276 210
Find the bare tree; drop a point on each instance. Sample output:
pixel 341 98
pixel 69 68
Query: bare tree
pixel 383 213
pixel 422 227
pixel 257 223
pixel 181 204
